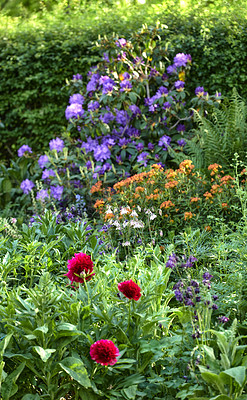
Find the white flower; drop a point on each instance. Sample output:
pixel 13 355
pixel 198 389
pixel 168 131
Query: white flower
pixel 126 243
pixel 126 223
pixel 137 224
pixel 152 216
pixel 160 212
pixel 161 233
pixel 125 210
pixel 134 214
pixel 139 208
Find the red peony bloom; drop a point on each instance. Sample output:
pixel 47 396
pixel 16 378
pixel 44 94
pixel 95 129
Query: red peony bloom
pixel 80 267
pixel 130 289
pixel 104 352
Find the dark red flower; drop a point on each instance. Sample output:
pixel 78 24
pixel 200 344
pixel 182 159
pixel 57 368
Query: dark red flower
pixel 80 267
pixel 104 352
pixel 130 289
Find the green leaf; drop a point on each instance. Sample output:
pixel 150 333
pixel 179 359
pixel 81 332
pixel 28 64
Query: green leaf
pixel 212 379
pixel 221 397
pixel 44 353
pixel 75 368
pixel 130 392
pixel 31 397
pixel 9 387
pixel 237 373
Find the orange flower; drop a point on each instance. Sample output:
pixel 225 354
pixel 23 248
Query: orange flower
pixel 139 189
pixel 194 199
pixel 99 203
pixel 97 187
pixel 227 178
pixel 188 215
pixel 109 215
pixel 208 195
pixel 171 185
pixel 214 188
pixel 153 197
pixel 207 228
pixel 224 205
pixel 214 168
pixel 167 204
pixel 186 166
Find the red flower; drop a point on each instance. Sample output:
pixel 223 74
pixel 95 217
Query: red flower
pixel 130 289
pixel 80 267
pixel 104 352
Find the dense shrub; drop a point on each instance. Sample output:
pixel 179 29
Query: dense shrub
pixel 35 63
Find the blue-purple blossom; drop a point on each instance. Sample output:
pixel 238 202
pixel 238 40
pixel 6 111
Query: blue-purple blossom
pixel 181 128
pixel 140 146
pixel 199 91
pixel 122 117
pixel 181 59
pixel 153 72
pixel 207 276
pixel 135 110
pixel 150 146
pixel 162 91
pixel 123 142
pixel 223 319
pixel 48 173
pixel 166 105
pixel 121 42
pixel 142 158
pixel 22 150
pixel 42 161
pixel 106 57
pixel 56 144
pixel 77 77
pixel 56 192
pixel 26 186
pixel 179 85
pixel 93 84
pixel 107 117
pixel 164 142
pixel 171 69
pixel 165 77
pixel 76 98
pixel 88 164
pixel 126 75
pixel 181 142
pixel 89 145
pixel 125 86
pixel 93 106
pixel 102 153
pixel 42 194
pixel 172 261
pixel 75 110
pixel 119 159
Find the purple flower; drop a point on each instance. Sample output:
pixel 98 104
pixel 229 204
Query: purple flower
pixel 207 276
pixel 76 98
pixel 107 117
pixel 171 69
pixel 42 161
pixel 89 145
pixel 199 91
pixel 75 110
pixel 181 128
pixel 164 142
pixel 48 173
pixel 93 106
pixel 150 146
pixel 26 186
pixel 56 192
pixel 181 59
pixel 165 77
pixel 121 42
pixel 119 159
pixel 88 164
pixel 223 319
pixel 102 153
pixel 93 83
pixel 122 117
pixel 123 142
pixel 181 142
pixel 166 105
pixel 126 75
pixel 77 77
pixel 56 144
pixel 23 149
pixel 135 110
pixel 142 158
pixel 215 297
pixel 106 57
pixel 172 261
pixel 153 72
pixel 125 86
pixel 42 194
pixel 107 88
pixel 215 307
pixel 178 295
pixel 140 146
pixel 179 85
pixel 163 91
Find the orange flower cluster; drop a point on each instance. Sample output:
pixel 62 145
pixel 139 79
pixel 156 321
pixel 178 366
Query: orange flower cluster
pixel 167 204
pixel 188 215
pixel 194 199
pixel 171 185
pixel 152 197
pixel 227 178
pixel 186 167
pixel 97 187
pixel 99 204
pixel 214 168
pixel 208 195
pixel 138 177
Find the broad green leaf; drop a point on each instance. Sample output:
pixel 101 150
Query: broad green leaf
pixel 44 353
pixel 4 343
pixel 212 379
pixel 221 397
pixel 130 392
pixel 9 387
pixel 237 373
pixel 43 329
pixel 209 351
pixel 75 368
pixel 31 397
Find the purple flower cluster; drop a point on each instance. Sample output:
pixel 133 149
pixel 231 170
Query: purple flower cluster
pixel 164 142
pixel 76 99
pixel 75 110
pixel 23 149
pixel 56 144
pixel 175 261
pixel 42 161
pixel 27 186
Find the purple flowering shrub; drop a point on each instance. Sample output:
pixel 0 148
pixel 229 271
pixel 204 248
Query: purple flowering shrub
pixel 134 107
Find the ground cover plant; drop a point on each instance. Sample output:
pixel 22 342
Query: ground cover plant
pixel 123 243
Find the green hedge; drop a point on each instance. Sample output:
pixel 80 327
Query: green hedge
pixel 35 63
